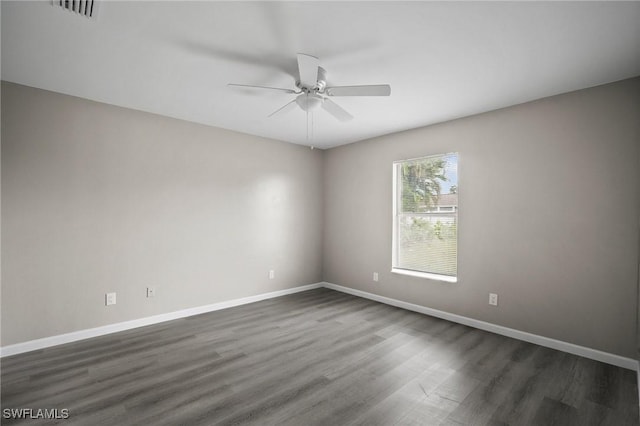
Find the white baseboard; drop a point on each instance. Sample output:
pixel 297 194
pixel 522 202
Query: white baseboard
pixel 594 354
pixel 60 339
pixel 583 351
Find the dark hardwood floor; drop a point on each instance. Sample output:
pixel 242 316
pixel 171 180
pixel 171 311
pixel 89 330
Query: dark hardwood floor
pixel 316 358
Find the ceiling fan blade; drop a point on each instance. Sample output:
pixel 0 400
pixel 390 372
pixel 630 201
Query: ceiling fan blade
pixel 369 90
pixel 287 106
pixel 336 110
pixel 250 86
pixel 308 70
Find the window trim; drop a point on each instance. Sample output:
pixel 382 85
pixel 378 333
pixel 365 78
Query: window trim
pixel 426 275
pixel 396 193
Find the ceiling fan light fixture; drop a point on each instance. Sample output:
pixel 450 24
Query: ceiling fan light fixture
pixel 309 101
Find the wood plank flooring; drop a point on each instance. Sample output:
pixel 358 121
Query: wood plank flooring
pixel 316 358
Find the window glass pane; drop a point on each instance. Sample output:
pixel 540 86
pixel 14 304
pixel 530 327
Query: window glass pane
pixel 426 209
pixel 428 244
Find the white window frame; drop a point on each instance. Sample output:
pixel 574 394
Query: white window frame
pixel 394 249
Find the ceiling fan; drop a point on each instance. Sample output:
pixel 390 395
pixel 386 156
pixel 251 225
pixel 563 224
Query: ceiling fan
pixel 313 92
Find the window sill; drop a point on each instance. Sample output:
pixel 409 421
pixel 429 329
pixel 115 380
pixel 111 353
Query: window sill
pixel 427 275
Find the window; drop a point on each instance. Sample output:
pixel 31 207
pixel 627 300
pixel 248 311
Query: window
pixel 425 217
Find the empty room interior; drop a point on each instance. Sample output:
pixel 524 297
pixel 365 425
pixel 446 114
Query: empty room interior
pixel 320 213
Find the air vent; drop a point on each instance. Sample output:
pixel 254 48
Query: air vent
pixel 86 8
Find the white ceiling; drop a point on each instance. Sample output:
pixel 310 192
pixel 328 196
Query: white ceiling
pixel 443 60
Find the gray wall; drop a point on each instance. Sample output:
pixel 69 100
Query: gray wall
pixel 97 198
pixel 548 216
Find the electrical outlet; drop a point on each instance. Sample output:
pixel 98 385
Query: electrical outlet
pixel 272 274
pixel 151 292
pixel 110 299
pixel 493 299
pixel 375 276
